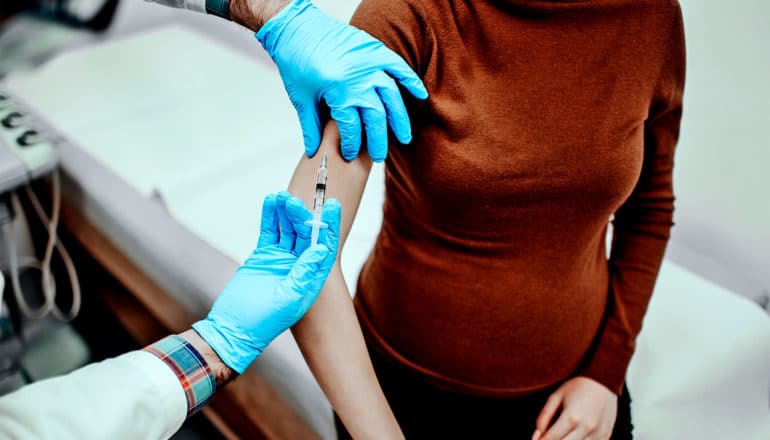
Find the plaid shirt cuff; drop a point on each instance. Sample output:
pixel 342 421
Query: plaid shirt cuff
pixel 190 368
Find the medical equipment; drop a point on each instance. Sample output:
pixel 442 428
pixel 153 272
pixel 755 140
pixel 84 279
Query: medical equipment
pixel 94 15
pixel 27 152
pixel 318 201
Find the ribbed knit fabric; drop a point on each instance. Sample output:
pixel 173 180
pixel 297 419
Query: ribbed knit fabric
pixel 545 118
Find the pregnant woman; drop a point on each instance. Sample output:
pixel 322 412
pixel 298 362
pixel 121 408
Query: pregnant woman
pixel 489 304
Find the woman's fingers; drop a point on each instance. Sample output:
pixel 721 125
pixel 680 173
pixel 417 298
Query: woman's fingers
pixel 547 413
pixel 577 434
pixel 563 426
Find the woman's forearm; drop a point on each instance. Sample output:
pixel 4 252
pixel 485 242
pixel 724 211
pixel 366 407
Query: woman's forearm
pixel 331 341
pixel 329 334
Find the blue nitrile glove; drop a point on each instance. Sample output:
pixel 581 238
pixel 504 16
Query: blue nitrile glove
pixel 273 289
pixel 321 58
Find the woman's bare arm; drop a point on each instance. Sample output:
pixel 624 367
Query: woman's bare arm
pixel 329 335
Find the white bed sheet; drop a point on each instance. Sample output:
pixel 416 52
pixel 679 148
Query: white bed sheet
pixel 702 365
pixel 701 369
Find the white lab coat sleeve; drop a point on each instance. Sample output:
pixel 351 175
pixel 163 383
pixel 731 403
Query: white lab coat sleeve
pixel 133 396
pixel 193 5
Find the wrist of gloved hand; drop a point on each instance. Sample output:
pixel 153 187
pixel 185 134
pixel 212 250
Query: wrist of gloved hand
pixel 268 34
pixel 235 351
pixel 254 14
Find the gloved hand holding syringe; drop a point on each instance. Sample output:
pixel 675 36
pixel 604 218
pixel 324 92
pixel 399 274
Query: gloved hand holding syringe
pixel 318 201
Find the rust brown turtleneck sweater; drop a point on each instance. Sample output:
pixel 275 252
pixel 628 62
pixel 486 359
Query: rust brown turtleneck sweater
pixel 545 118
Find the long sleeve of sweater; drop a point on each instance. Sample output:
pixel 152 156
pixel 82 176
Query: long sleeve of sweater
pixel 643 223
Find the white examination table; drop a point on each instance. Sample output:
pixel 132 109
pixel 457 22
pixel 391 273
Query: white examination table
pixel 174 170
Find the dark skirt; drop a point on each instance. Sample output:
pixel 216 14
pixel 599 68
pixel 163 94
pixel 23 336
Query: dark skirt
pixel 426 412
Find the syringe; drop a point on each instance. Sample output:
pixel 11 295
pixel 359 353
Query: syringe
pixel 318 201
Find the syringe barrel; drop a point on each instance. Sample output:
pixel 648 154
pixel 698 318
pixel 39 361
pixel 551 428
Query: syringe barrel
pixel 320 188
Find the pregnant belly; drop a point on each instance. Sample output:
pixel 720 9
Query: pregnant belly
pixel 496 328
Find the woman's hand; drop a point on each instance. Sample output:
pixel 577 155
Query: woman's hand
pixel 588 411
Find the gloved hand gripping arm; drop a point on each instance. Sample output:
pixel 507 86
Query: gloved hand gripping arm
pixel 321 59
pixel 324 61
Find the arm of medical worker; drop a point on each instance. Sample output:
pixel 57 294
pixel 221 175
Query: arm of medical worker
pixel 322 59
pixel 149 393
pixel 329 335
